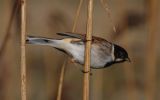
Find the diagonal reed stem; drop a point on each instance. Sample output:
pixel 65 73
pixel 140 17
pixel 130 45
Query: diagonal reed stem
pixel 61 80
pixel 62 73
pixel 88 51
pixel 77 16
pixel 8 33
pixel 107 9
pixel 23 51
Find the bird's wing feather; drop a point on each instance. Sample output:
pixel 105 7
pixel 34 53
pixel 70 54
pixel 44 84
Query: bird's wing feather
pixel 73 35
pixel 82 37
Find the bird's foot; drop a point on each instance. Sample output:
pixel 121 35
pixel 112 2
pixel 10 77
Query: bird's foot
pixel 86 72
pixel 73 60
pixel 87 40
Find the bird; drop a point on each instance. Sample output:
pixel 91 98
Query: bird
pixel 103 52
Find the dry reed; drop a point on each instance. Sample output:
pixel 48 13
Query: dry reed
pixel 77 16
pixel 107 9
pixel 88 51
pixel 98 79
pixel 60 86
pixel 8 33
pixel 150 88
pixel 62 73
pixel 23 51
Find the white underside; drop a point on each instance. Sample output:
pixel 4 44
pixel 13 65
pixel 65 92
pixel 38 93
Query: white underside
pixel 77 51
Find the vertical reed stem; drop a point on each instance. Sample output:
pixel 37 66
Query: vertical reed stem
pixel 151 51
pixel 88 52
pixel 23 53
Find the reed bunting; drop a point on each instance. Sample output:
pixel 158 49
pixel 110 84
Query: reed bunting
pixel 103 53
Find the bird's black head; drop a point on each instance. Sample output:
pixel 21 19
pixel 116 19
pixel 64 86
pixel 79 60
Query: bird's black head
pixel 120 54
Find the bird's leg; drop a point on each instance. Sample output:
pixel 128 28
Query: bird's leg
pixel 73 60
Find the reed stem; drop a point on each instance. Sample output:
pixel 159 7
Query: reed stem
pixel 23 51
pixel 77 16
pixel 8 33
pixel 88 51
pixel 107 9
pixel 61 80
pixel 59 95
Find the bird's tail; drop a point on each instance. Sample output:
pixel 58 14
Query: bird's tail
pixel 41 41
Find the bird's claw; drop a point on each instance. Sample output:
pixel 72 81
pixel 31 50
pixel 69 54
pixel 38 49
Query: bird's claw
pixel 87 40
pixel 86 72
pixel 73 60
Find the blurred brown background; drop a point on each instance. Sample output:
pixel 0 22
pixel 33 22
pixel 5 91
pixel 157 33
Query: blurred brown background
pixel 137 23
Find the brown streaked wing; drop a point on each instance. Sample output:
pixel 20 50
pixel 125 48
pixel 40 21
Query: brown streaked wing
pixel 82 37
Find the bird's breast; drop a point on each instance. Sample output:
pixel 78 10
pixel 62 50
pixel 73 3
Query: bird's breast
pixel 98 57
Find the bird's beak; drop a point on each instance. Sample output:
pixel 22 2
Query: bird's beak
pixel 128 59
